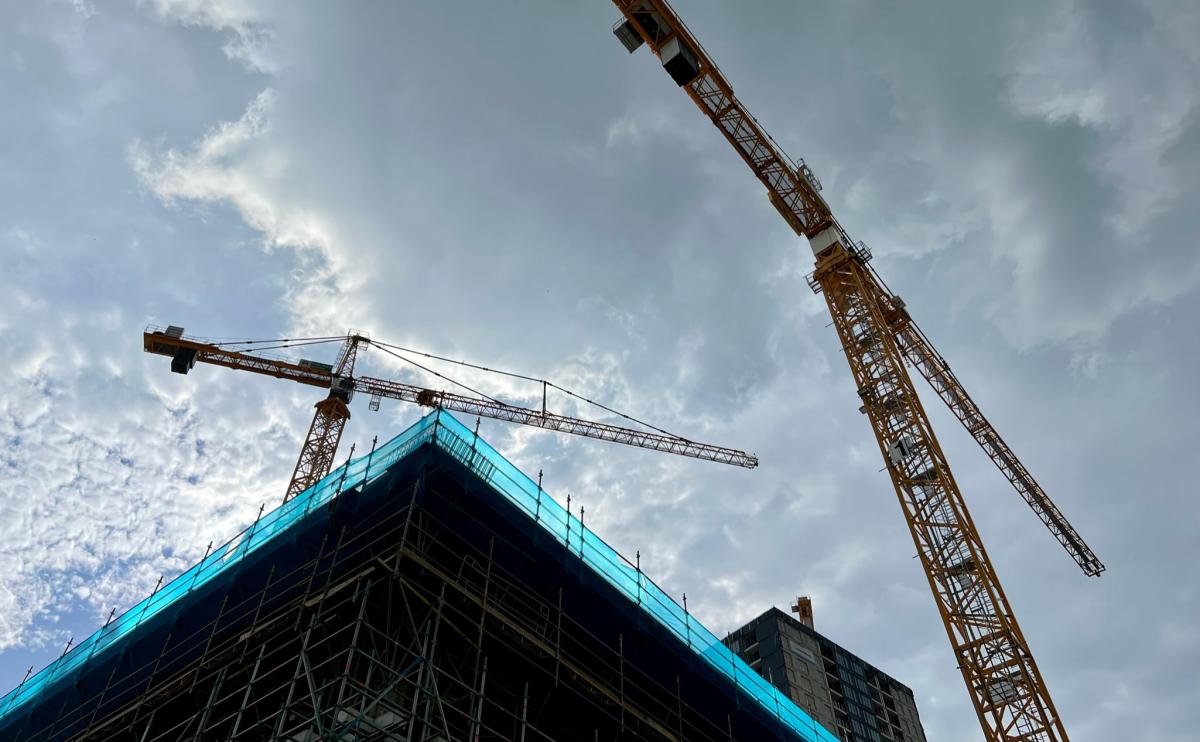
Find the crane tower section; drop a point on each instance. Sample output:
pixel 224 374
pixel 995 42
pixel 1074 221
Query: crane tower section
pixel 1002 678
pixel 996 663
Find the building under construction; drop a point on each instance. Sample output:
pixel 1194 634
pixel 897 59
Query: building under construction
pixel 426 591
pixel 840 690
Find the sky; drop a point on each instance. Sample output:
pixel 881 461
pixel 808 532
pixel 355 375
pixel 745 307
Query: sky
pixel 502 182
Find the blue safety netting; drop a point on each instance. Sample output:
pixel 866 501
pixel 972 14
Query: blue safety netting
pixel 453 437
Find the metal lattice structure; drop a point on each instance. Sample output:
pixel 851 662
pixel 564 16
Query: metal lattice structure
pixel 332 412
pixel 416 605
pixel 325 433
pixel 916 348
pixel 877 336
pixel 992 654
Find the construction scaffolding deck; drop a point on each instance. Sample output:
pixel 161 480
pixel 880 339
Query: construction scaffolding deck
pixel 426 591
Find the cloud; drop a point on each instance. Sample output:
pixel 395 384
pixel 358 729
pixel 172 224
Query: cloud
pixel 249 39
pixel 210 172
pixel 234 164
pixel 547 204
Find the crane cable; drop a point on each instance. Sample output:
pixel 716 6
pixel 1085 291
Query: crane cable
pixel 385 347
pixel 391 349
pixel 440 376
pixel 283 341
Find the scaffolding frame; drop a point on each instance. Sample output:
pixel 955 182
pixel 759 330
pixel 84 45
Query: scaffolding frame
pixel 399 630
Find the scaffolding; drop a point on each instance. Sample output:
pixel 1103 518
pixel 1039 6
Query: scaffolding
pixel 411 606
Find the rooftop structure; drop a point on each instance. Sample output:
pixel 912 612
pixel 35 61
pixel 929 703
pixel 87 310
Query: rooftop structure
pixel 428 590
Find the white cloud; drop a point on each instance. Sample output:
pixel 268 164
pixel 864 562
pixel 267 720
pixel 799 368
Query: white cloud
pixel 215 171
pixel 235 164
pixel 249 39
pixel 578 219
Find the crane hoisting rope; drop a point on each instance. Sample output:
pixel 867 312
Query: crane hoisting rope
pixel 428 370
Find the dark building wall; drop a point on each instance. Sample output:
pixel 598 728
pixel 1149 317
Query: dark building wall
pixel 848 696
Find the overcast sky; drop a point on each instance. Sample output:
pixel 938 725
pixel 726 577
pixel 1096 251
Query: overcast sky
pixel 502 182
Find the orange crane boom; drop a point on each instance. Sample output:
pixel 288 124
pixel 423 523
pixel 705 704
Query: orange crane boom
pixel 316 456
pixel 877 337
pixel 919 352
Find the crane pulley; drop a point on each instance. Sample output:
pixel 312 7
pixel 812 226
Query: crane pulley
pixel 878 338
pixel 320 445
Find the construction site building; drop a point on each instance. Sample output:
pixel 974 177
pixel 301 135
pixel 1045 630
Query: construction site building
pixel 426 591
pixel 854 699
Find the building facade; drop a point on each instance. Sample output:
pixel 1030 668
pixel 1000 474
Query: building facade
pixel 427 591
pixel 852 698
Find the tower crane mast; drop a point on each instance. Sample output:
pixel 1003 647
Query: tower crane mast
pixel 878 336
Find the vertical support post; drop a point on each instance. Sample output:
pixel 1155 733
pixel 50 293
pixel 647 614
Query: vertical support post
pixel 370 455
pixel 262 596
pixel 638 567
pixel 158 584
pixel 149 725
pixel 212 698
pixel 96 644
pixel 621 661
pixel 333 501
pixel 568 536
pixel 420 684
pixel 57 718
pixel 199 567
pixel 412 504
pixel 358 622
pixel 431 676
pixel 582 529
pixel 483 603
pixel 524 710
pixel 313 576
pixel 679 703
pixel 150 681
pixel 237 722
pixel 478 721
pixel 483 610
pixel 100 702
pixel 329 573
pixel 687 623
pixel 216 624
pixel 427 671
pixel 558 639
pixel 537 508
pixel 243 544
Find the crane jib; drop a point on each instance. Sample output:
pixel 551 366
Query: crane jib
pixel 1002 678
pixel 331 413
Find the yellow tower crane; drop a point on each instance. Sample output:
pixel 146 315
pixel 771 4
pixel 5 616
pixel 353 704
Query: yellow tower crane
pixel 321 443
pixel 878 337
